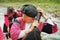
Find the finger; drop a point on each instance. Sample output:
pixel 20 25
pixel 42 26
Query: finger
pixel 39 10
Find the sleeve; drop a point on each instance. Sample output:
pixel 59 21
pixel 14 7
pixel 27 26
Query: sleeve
pixel 50 27
pixel 21 34
pixel 19 14
pixel 7 22
pixel 16 32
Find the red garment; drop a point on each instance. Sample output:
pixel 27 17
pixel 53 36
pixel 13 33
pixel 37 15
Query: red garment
pixel 20 25
pixel 6 18
pixel 19 13
pixel 1 35
pixel 7 22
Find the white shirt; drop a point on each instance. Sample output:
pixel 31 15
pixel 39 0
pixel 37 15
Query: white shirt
pixel 22 33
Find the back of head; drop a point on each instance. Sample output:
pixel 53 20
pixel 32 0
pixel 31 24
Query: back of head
pixel 10 9
pixel 29 10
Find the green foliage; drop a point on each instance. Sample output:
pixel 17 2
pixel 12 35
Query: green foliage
pixel 56 1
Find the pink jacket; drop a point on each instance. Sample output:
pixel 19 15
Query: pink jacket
pixel 19 13
pixel 1 35
pixel 20 25
pixel 7 22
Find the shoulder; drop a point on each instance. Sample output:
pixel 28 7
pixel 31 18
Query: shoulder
pixel 18 20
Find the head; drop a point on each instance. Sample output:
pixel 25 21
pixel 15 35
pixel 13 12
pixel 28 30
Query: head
pixel 29 12
pixel 10 10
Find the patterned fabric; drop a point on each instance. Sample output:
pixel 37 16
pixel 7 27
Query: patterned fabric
pixel 19 25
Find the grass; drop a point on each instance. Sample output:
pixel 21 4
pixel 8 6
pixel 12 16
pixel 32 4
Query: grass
pixel 50 7
pixel 40 4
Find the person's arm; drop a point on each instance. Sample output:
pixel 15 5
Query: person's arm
pixel 42 13
pixel 25 32
pixel 50 27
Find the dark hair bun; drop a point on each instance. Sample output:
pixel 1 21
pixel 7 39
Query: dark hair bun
pixel 29 10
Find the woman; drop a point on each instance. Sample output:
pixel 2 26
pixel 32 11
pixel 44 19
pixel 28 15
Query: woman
pixel 26 24
pixel 8 19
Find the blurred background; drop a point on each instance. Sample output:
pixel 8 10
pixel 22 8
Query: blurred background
pixel 50 7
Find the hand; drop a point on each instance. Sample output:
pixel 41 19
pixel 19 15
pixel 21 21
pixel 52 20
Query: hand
pixel 42 13
pixel 35 24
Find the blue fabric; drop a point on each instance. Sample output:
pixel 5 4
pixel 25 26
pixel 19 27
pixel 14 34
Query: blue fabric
pixel 16 21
